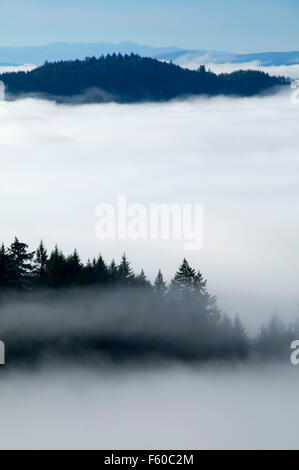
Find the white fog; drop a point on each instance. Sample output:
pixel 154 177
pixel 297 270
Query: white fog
pixel 237 157
pixel 220 407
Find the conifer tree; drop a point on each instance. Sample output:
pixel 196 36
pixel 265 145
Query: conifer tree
pixel 40 260
pixel 125 271
pixel 239 328
pixel 6 268
pixel 206 301
pixel 184 279
pixel 56 271
pixel 202 69
pixel 113 272
pixel 101 270
pixel 240 337
pixel 73 269
pixel 88 275
pixel 21 263
pixel 160 285
pixel 191 286
pixel 142 281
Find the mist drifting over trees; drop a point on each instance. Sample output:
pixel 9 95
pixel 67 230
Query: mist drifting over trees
pixel 55 306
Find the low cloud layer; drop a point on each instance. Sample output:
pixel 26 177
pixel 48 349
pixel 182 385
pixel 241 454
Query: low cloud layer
pixel 291 71
pixel 16 68
pixel 177 408
pixel 238 157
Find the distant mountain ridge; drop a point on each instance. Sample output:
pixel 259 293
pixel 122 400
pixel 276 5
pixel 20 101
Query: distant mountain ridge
pixel 70 51
pixel 8 64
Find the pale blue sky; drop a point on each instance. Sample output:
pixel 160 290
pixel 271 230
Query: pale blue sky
pixel 233 25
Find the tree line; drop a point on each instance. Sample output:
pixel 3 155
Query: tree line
pixel 179 319
pixel 131 78
pixel 23 269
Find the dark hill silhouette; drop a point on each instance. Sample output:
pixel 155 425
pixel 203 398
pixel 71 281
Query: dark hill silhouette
pixel 131 78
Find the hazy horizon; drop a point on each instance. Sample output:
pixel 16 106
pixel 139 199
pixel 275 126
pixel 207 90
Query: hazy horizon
pixel 171 46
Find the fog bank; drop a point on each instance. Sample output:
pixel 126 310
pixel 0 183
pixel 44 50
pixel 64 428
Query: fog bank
pixel 291 71
pixel 177 408
pixel 16 68
pixel 237 157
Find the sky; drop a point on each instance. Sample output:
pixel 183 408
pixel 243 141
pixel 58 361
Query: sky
pixel 255 26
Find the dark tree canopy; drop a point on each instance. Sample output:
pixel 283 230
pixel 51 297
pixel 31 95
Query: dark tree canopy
pixel 180 319
pixel 131 78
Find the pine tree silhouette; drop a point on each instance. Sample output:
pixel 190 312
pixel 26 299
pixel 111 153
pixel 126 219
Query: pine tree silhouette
pixel 21 263
pixel 56 271
pixel 160 285
pixel 142 281
pixel 73 269
pixel 113 272
pixel 125 271
pixel 6 267
pixel 101 270
pixel 40 264
pixel 184 280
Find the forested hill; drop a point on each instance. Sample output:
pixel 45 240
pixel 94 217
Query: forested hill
pixel 53 306
pixel 131 78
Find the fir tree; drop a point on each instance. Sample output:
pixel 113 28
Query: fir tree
pixel 21 263
pixel 206 302
pixel 73 269
pixel 40 261
pixel 88 275
pixel 187 285
pixel 6 267
pixel 125 271
pixel 240 337
pixel 142 281
pixel 56 270
pixel 113 272
pixel 160 285
pixel 101 270
pixel 184 279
